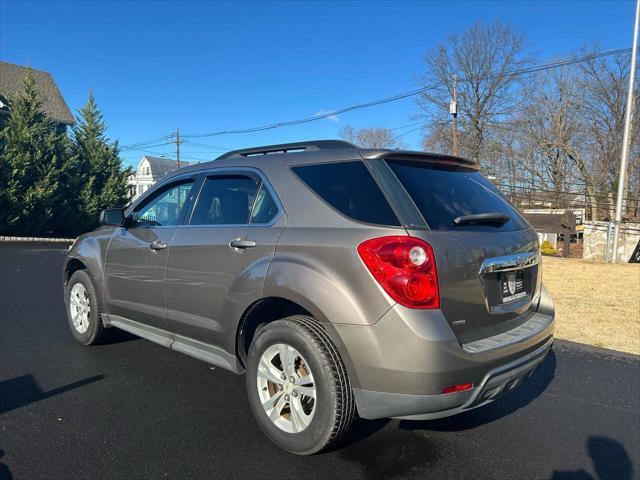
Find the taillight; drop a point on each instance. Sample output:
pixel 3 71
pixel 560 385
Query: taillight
pixel 405 267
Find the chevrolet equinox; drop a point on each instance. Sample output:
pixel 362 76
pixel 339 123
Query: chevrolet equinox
pixel 341 281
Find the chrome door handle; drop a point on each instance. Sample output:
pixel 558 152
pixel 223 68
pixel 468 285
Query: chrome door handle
pixel 157 245
pixel 240 244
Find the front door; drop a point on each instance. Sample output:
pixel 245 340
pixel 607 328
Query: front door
pixel 218 263
pixel 136 259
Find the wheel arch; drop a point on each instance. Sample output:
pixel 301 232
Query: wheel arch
pixel 261 312
pixel 269 309
pixel 88 253
pixel 72 265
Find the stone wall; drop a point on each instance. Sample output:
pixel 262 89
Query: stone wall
pixel 595 240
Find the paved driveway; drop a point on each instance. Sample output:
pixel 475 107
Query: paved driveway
pixel 132 409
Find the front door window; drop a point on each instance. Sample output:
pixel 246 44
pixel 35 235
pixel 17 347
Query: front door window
pixel 166 208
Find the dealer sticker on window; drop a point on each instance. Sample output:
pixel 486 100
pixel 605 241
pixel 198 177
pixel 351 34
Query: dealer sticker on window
pixel 512 286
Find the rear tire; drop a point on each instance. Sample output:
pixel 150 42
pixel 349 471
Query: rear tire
pixel 83 310
pixel 313 407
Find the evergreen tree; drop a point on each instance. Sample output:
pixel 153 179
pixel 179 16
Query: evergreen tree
pixel 103 180
pixel 35 170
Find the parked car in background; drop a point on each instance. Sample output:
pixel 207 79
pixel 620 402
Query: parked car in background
pixel 341 282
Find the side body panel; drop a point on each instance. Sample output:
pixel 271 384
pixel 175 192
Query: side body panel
pixel 210 285
pixel 135 275
pixel 319 268
pixel 316 263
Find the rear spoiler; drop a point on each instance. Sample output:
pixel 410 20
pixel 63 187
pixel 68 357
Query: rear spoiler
pixel 416 156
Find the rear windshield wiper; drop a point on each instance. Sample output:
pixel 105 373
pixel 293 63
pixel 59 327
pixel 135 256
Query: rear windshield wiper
pixel 495 218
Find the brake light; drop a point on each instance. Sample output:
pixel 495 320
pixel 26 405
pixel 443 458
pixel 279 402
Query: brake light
pixel 405 268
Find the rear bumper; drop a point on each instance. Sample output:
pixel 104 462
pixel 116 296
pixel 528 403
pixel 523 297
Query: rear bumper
pixel 372 404
pixel 399 366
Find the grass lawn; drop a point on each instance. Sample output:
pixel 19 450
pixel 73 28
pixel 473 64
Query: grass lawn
pixel 596 303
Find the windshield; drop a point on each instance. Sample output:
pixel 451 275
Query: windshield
pixel 443 193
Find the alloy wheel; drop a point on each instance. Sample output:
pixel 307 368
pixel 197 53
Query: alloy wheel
pixel 80 307
pixel 286 388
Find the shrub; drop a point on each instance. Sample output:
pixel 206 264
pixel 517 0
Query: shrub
pixel 547 248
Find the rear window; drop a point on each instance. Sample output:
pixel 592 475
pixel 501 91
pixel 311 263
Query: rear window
pixel 443 192
pixel 349 188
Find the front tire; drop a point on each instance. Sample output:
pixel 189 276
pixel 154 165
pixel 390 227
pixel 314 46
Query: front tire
pixel 298 388
pixel 83 311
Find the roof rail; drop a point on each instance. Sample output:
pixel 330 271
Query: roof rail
pixel 314 145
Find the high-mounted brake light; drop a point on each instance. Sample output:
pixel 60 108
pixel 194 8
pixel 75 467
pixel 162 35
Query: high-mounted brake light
pixel 405 268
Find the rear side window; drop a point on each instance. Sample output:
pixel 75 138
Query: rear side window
pixel 264 207
pixel 225 200
pixel 442 193
pixel 349 188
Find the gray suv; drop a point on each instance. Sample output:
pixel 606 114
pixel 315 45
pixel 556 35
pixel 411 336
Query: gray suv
pixel 341 281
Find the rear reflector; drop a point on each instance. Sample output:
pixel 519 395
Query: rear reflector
pixel 405 267
pixel 457 388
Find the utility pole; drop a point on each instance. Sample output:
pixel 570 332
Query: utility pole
pixel 453 110
pixel 625 140
pixel 177 141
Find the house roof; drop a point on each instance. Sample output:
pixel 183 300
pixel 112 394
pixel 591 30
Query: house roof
pixel 160 166
pixel 11 77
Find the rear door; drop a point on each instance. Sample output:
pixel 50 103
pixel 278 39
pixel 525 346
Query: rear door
pixel 218 262
pixel 487 271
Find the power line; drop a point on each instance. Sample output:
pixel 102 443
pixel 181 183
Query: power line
pixel 550 65
pixel 197 159
pixel 407 94
pixel 134 147
pixel 149 151
pixel 313 118
pixel 215 149
pixel 167 155
pixel 406 126
pixel 542 191
pixel 408 132
pixel 147 142
pixel 206 145
pixel 566 61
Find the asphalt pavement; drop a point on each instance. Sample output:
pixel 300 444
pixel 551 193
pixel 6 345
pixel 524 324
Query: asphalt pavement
pixel 132 409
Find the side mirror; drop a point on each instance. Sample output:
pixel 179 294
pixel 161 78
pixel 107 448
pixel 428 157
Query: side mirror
pixel 112 216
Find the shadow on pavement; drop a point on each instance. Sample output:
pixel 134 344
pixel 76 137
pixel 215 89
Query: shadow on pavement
pixel 610 462
pixel 385 454
pixel 5 471
pixel 120 336
pixel 20 391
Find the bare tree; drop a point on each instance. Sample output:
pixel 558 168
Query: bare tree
pixel 553 125
pixel 555 134
pixel 371 137
pixel 485 59
pixel 603 84
pixel 571 131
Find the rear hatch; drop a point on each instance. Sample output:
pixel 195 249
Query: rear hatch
pixel 486 253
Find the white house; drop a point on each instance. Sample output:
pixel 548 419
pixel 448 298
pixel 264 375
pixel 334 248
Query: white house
pixel 149 171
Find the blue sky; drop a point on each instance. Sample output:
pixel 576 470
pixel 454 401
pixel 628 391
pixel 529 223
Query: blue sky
pixel 209 66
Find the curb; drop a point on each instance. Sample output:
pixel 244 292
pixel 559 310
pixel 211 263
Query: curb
pixel 36 239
